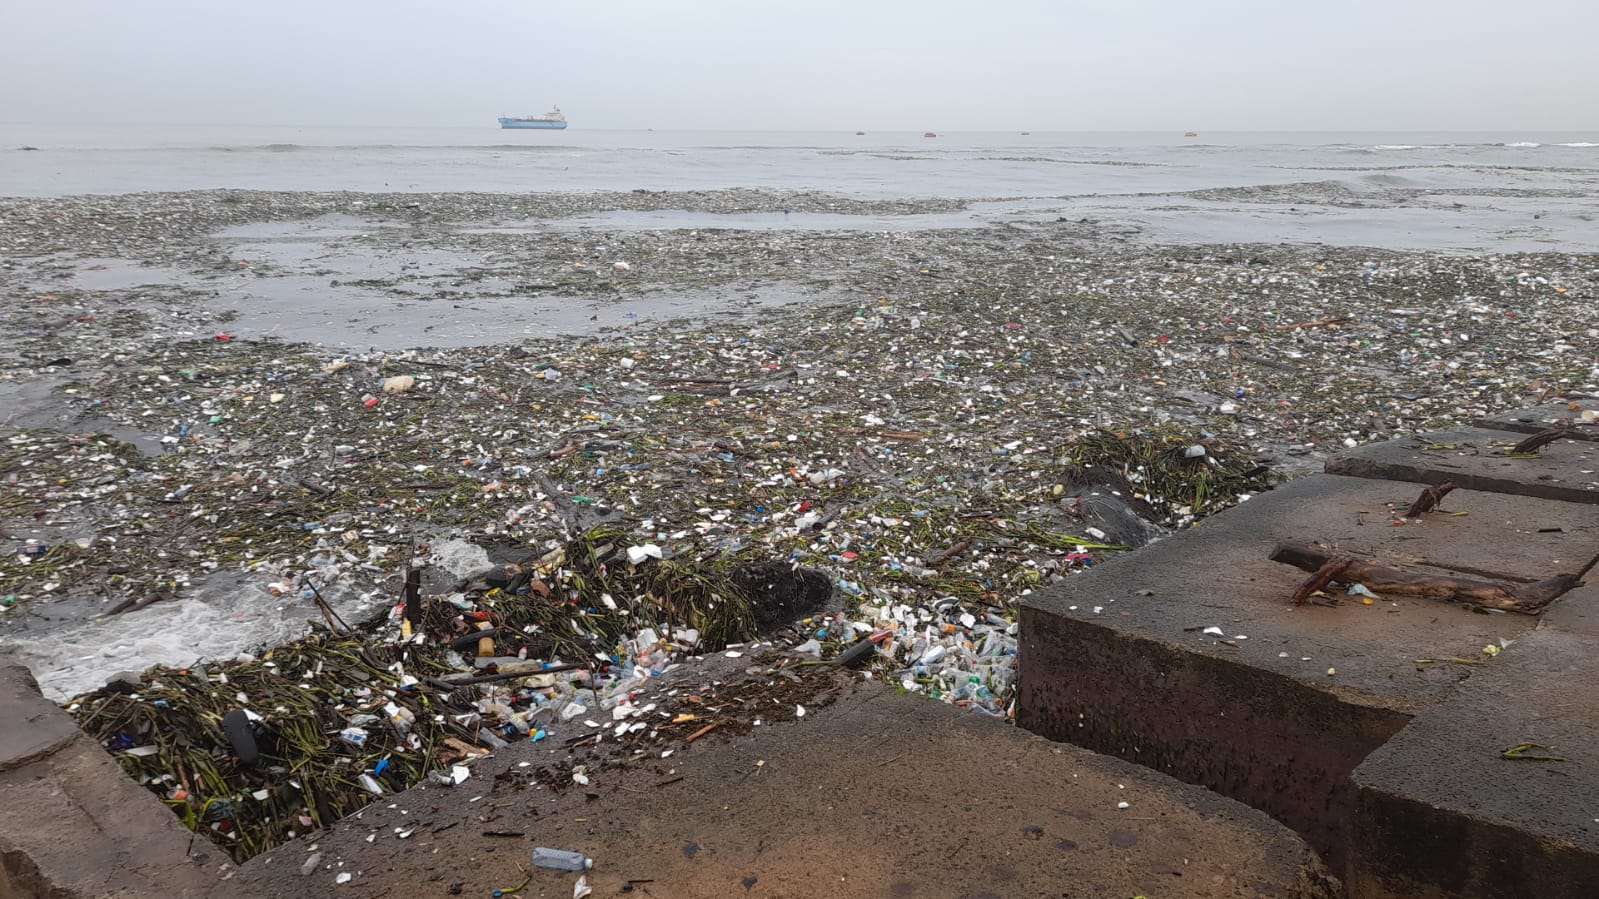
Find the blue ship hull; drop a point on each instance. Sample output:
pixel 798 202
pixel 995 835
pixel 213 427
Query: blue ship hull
pixel 517 123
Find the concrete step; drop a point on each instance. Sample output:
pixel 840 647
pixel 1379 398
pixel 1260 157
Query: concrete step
pixel 1542 417
pixel 1443 813
pixel 1286 702
pixel 877 794
pixel 1473 458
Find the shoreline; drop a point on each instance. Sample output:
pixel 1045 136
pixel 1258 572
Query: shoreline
pixel 938 422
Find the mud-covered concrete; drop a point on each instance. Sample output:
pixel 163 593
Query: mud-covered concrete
pixel 1476 459
pixel 875 795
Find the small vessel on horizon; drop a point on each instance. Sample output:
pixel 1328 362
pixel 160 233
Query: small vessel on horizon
pixel 552 119
pixel 1190 134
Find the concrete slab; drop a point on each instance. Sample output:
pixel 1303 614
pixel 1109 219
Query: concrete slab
pixel 1471 458
pixel 1539 418
pixel 1442 813
pixel 34 726
pixel 76 826
pixel 876 795
pixel 1578 611
pixel 1279 707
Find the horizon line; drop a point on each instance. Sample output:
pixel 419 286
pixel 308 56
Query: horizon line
pixel 848 130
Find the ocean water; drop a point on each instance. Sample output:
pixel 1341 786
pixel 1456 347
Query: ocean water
pixel 1441 191
pixel 123 159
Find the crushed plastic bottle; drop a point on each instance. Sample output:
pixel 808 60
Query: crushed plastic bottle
pixel 561 859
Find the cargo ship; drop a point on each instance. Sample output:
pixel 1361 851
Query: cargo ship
pixel 552 119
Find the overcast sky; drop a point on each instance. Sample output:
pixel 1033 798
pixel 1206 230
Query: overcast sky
pixel 821 64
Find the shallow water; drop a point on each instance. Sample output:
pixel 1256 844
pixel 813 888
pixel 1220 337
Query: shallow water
pixel 1136 173
pixel 35 403
pixel 299 283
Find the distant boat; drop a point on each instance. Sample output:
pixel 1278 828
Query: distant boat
pixel 859 133
pixel 552 119
pixel 1190 134
pixel 928 134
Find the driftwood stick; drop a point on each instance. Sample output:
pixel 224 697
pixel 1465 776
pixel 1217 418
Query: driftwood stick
pixel 411 595
pixel 1541 439
pixel 136 603
pixel 1429 499
pixel 450 683
pixel 1529 599
pixel 1331 570
pixel 937 559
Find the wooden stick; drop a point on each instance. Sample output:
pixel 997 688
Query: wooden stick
pixel 1429 499
pixel 411 595
pixel 1329 571
pixel 938 559
pixel 1541 439
pixel 1528 599
pixel 700 733
pixel 457 681
pixel 134 604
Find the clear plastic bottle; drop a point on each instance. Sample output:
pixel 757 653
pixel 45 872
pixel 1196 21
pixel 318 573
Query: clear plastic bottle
pixel 561 859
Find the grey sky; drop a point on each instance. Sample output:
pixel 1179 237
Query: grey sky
pixel 819 64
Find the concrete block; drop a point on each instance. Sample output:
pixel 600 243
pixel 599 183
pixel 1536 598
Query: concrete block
pixel 74 825
pixel 1539 418
pixel 1473 459
pixel 34 726
pixel 1442 813
pixel 1279 707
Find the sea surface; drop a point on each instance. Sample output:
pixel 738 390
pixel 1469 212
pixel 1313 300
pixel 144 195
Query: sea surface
pixel 1443 191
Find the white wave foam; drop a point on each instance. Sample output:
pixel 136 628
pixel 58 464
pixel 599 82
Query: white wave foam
pixel 1580 143
pixel 1524 144
pixel 217 624
pixel 461 558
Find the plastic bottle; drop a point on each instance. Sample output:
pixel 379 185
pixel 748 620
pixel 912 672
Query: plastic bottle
pixel 561 859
